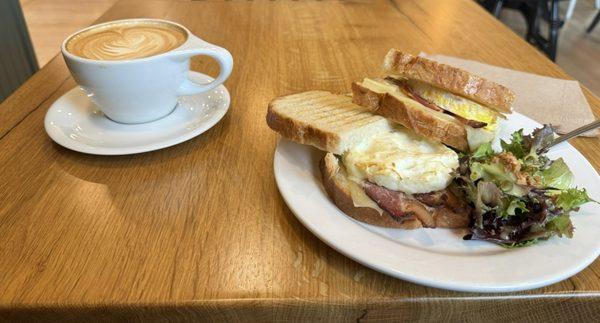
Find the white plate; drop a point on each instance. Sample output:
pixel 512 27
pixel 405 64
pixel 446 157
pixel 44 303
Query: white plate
pixel 74 122
pixel 439 257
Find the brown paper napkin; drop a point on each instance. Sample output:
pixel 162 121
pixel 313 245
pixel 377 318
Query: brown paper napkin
pixel 544 99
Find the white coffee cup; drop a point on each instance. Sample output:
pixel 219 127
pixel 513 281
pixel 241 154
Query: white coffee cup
pixel 144 89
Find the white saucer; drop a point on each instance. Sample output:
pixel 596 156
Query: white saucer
pixel 74 122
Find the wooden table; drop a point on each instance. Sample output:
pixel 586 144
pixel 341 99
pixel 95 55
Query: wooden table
pixel 199 230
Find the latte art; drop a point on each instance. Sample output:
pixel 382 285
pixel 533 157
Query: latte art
pixel 126 40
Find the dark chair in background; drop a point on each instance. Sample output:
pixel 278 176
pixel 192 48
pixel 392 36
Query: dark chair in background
pixel 17 59
pixel 594 22
pixel 534 11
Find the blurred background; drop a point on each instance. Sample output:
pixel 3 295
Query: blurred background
pixel 576 44
pixel 562 29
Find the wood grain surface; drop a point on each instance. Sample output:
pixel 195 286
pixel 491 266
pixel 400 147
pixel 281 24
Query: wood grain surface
pixel 49 22
pixel 199 230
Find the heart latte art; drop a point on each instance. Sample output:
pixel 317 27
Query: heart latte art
pixel 126 40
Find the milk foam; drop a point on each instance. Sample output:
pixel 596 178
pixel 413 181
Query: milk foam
pixel 126 40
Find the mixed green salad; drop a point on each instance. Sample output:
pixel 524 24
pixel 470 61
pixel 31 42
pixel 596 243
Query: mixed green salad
pixel 519 196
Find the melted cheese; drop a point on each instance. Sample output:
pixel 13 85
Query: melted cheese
pixel 402 161
pixel 360 198
pixel 379 86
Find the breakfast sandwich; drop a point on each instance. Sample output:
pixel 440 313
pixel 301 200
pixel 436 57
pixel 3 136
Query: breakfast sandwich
pixel 437 101
pixel 375 171
pixel 392 147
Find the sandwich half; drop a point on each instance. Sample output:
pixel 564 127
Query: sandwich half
pixel 440 102
pixel 374 170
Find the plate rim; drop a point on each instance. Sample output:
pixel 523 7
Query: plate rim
pixel 492 287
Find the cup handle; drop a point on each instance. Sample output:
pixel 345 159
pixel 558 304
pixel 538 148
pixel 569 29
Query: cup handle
pixel 196 46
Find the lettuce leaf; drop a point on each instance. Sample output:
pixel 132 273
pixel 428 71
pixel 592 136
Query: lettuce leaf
pixel 560 225
pixel 512 206
pixel 537 142
pixel 495 173
pixel 483 151
pixel 518 215
pixel 516 144
pixel 488 193
pixel 557 175
pixel 491 172
pixel 529 146
pixel 572 198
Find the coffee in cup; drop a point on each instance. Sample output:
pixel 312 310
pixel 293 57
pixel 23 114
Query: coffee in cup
pixel 135 70
pixel 126 40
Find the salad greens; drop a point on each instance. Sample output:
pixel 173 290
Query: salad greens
pixel 519 196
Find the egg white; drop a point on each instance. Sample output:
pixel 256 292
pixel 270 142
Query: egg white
pixel 402 161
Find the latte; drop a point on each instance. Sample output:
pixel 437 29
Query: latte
pixel 126 40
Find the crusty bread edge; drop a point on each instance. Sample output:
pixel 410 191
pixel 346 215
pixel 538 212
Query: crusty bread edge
pixel 301 133
pixel 450 78
pixel 340 195
pixel 332 176
pixel 424 123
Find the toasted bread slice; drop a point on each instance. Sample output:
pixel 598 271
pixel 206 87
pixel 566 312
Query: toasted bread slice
pixel 452 79
pixel 396 106
pixel 327 121
pixel 337 186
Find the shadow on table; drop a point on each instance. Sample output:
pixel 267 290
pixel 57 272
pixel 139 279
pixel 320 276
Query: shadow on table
pixel 87 166
pixel 150 181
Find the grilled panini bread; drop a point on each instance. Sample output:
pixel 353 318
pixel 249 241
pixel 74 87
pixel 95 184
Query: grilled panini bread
pixel 435 100
pixel 452 79
pixel 386 99
pixel 334 124
pixel 324 120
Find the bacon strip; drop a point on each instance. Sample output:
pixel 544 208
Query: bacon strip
pixel 398 204
pixel 468 122
pixel 413 95
pixel 442 198
pixel 444 208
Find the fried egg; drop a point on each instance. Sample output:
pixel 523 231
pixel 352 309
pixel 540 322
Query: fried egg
pixel 402 161
pixel 456 104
